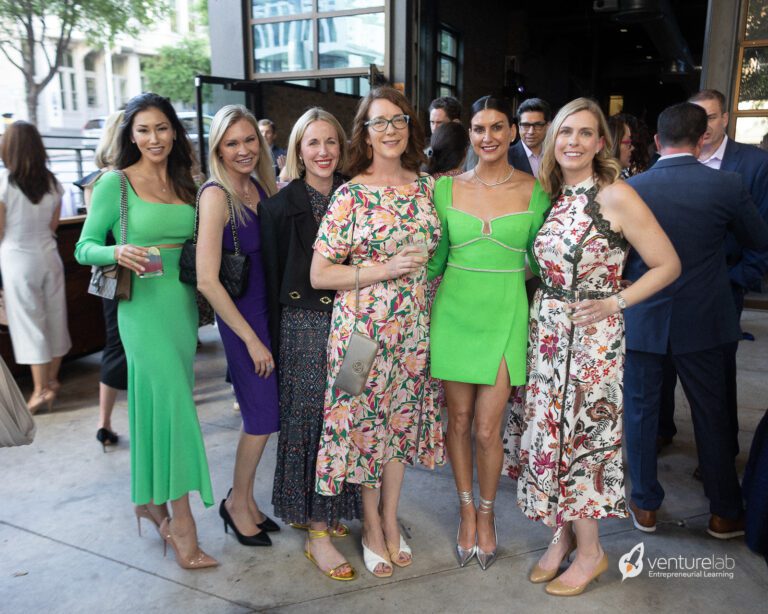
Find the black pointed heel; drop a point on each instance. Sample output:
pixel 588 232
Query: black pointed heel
pixel 106 438
pixel 268 525
pixel 260 539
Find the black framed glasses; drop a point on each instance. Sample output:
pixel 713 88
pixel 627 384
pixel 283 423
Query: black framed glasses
pixel 526 126
pixel 380 124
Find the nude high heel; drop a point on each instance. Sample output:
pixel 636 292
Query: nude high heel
pixel 558 588
pixel 198 560
pixel 464 555
pixel 36 401
pixel 539 574
pixel 142 511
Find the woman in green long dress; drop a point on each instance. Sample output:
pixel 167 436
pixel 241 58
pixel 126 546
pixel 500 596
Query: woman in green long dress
pixel 158 325
pixel 490 216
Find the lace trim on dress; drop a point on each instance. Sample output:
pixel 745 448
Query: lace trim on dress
pixel 592 209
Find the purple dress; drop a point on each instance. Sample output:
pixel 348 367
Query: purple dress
pixel 256 395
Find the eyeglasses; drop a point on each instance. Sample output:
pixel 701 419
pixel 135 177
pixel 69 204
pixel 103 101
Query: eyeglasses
pixel 380 124
pixel 525 126
pixel 627 142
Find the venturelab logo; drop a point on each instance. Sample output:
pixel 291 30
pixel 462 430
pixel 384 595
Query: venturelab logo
pixel 713 566
pixel 631 564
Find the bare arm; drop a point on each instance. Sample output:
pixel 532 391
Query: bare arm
pixel 326 275
pixel 630 215
pixel 55 217
pixel 213 218
pixel 2 220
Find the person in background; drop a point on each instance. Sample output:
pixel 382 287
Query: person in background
pixel 378 231
pixel 241 174
pixel 300 317
pixel 564 437
pixel 479 326
pixel 630 143
pixel 442 111
pixel 533 116
pixel 268 130
pixel 114 370
pixel 168 458
pixel 447 150
pixel 688 322
pixel 31 268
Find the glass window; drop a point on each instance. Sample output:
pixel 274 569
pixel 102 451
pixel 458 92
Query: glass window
pixel 757 20
pixel 751 129
pixel 91 95
pixel 344 5
pixel 352 41
pixel 283 47
pixel 444 90
pixel 448 44
pixel 447 71
pixel 276 8
pixel 753 89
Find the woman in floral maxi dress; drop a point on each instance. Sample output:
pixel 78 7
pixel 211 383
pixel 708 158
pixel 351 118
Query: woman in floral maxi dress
pixel 373 229
pixel 563 440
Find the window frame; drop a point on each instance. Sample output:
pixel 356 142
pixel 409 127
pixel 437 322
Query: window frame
pixel 314 16
pixel 455 60
pixel 743 45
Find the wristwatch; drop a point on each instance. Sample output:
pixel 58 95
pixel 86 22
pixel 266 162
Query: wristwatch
pixel 620 301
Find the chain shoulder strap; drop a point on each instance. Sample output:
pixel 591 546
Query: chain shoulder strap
pixel 230 208
pixel 123 207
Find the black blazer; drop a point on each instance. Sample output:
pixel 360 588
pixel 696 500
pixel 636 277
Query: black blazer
pixel 288 230
pixel 697 207
pixel 517 157
pixel 746 267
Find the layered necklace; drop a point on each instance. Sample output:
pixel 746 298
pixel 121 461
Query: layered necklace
pixel 494 184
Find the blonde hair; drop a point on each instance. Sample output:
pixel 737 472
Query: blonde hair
pixel 294 167
pixel 109 143
pixel 264 173
pixel 605 167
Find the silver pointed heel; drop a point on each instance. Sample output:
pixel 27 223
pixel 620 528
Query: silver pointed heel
pixel 464 555
pixel 486 559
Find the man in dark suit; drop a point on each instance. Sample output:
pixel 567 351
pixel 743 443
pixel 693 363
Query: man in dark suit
pixel 533 118
pixel 746 267
pixel 688 322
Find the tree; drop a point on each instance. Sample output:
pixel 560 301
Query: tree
pixel 171 73
pixel 30 29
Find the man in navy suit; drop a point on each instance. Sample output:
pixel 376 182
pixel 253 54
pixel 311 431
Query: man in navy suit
pixel 690 321
pixel 533 118
pixel 746 267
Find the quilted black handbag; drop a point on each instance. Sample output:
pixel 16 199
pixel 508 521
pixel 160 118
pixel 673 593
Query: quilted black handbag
pixel 233 272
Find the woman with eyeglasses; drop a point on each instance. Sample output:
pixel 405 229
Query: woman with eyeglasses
pixel 379 230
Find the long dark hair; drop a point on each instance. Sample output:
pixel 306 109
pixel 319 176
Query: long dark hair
pixel 25 158
pixel 413 157
pixel 180 159
pixel 448 148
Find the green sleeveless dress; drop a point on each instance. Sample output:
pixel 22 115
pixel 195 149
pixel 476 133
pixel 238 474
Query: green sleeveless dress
pixel 480 313
pixel 158 327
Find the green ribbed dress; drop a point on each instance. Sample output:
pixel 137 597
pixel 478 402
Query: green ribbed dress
pixel 158 327
pixel 480 313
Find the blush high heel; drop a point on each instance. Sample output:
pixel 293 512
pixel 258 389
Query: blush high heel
pixel 539 574
pixel 558 588
pixel 142 511
pixel 199 560
pixel 44 397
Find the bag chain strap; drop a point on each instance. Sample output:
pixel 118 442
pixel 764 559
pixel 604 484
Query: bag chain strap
pixel 230 207
pixel 123 207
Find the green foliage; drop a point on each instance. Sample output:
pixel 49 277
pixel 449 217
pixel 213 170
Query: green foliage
pixel 26 24
pixel 171 73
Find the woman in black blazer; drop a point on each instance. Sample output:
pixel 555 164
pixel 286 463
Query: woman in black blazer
pixel 300 317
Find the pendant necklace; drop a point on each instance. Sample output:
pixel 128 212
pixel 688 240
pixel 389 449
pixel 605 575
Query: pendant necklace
pixel 493 185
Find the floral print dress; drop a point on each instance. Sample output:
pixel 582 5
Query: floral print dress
pixel 563 439
pixel 395 417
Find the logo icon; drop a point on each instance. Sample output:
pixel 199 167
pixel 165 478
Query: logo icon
pixel 631 564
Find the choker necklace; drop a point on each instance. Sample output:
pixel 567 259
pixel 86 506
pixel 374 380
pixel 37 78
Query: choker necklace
pixel 493 185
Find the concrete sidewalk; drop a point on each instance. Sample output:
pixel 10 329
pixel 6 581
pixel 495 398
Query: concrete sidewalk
pixel 69 544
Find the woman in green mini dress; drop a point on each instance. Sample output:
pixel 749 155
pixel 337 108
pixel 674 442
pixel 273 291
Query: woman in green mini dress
pixel 479 328
pixel 158 325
